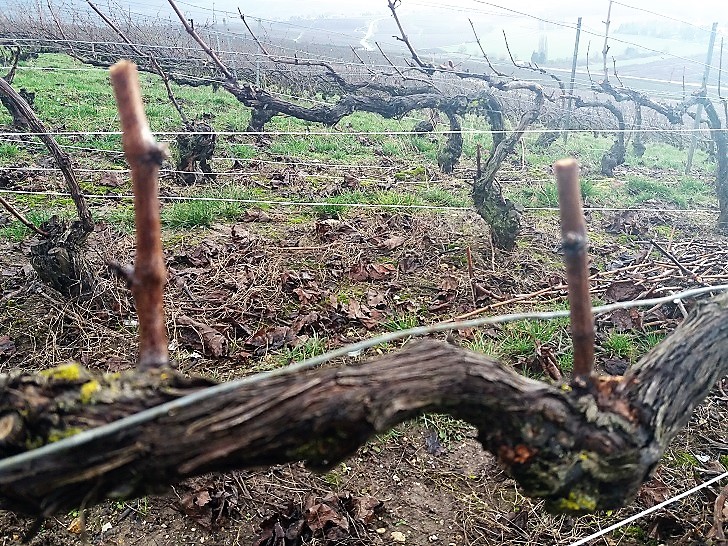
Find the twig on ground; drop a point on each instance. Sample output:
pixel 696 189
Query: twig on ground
pixel 674 260
pixel 23 220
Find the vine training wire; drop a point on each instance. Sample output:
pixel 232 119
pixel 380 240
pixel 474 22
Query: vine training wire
pixel 648 511
pixel 117 196
pixel 471 131
pixel 352 350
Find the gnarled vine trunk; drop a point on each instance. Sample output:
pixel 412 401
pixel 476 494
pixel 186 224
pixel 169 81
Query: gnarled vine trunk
pixel 583 447
pixel 58 259
pixel 502 215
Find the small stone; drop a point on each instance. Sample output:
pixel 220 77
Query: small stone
pixel 76 526
pixel 106 527
pixel 398 537
pixel 381 530
pixel 433 538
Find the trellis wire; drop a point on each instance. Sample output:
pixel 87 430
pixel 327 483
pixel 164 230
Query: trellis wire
pixel 117 196
pixel 363 133
pixel 648 511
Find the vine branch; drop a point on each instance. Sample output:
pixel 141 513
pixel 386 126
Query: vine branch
pixel 145 158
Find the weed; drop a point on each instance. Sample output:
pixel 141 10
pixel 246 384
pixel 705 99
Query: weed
pixel 8 151
pixel 638 534
pixel 415 173
pixel 619 345
pixel 565 361
pixel 189 214
pixel 402 322
pixel 335 477
pixel 448 429
pixel 337 205
pixel 485 345
pixel 649 341
pixel 683 459
pixel 442 197
pixel 243 151
pixel 313 346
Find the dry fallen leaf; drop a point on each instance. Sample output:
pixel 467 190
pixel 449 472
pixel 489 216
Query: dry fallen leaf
pixel 213 342
pixel 7 346
pixel 393 242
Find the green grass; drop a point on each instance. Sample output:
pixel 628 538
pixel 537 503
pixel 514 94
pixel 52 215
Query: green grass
pixel 16 231
pixel 402 322
pixel 336 205
pixel 683 192
pixel 443 197
pixel 313 346
pixel 518 339
pixel 448 429
pixel 189 214
pixel 82 100
pixel 243 151
pixel 418 172
pixel 8 151
pixel 681 459
pixel 620 345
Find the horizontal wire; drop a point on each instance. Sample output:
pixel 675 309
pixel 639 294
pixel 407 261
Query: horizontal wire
pixel 648 511
pixel 529 181
pixel 688 23
pixel 366 133
pixel 601 35
pixel 342 62
pixel 117 196
pixel 22 460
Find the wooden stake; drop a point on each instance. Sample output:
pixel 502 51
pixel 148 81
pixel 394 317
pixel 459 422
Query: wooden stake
pixel 478 159
pixel 574 241
pixel 145 157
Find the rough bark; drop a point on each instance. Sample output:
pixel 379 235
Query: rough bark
pixel 58 259
pixel 258 118
pixel 582 447
pixel 19 120
pixel 453 149
pixel 613 157
pixel 330 114
pixel 720 138
pixel 195 150
pixel 502 215
pixel 547 138
pixel 638 144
